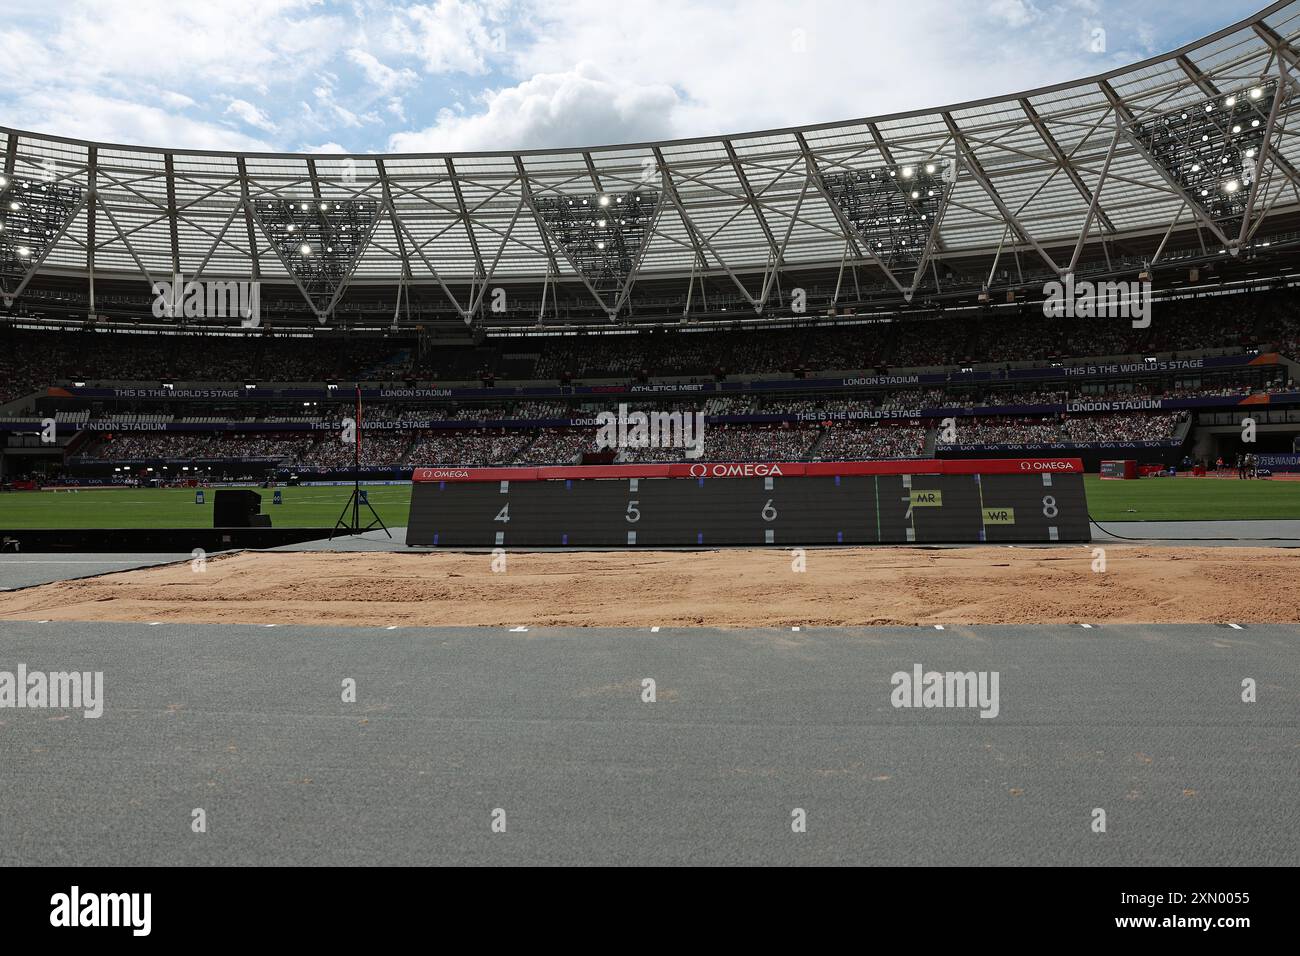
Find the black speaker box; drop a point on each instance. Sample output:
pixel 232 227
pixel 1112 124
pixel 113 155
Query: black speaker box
pixel 237 508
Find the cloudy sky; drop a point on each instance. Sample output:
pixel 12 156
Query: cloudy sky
pixel 379 75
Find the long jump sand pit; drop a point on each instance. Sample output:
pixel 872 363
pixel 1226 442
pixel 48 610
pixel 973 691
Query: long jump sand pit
pixel 730 588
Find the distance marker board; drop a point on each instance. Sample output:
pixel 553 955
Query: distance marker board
pixel 750 504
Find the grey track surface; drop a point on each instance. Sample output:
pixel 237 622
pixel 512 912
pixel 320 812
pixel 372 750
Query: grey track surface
pixel 369 541
pixel 247 723
pixel 1231 534
pixel 27 570
pixel 1239 534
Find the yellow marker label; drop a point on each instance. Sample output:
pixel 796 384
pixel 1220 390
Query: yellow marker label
pixel 927 499
pixel 999 515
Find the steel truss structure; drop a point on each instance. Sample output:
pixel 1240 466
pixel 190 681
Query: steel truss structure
pixel 1195 146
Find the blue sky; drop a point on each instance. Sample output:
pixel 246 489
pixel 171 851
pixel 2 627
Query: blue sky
pixel 380 76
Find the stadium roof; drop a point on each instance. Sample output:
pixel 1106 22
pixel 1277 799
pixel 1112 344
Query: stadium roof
pixel 1195 144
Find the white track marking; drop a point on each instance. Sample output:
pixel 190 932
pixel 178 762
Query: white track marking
pixel 1235 627
pixel 654 630
pixel 1088 626
pixel 938 627
pixel 518 630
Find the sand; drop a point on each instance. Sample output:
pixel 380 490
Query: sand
pixel 734 588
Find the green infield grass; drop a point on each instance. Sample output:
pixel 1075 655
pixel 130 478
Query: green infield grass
pixel 303 507
pixel 1192 499
pixel 1147 499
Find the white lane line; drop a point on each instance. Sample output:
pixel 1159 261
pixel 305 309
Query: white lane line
pixel 1087 626
pixel 391 627
pixel 268 625
pixel 518 630
pixel 1235 627
pixel 154 623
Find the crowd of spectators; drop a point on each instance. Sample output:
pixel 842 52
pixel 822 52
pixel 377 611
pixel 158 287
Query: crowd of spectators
pixel 1024 430
pixel 1120 427
pixel 31 360
pixel 558 446
pixel 378 450
pixel 471 447
pixel 845 442
pixel 148 446
pixel 826 440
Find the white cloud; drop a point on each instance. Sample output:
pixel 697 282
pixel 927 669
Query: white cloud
pixel 582 107
pixel 384 78
pixel 1015 13
pixel 176 101
pixel 251 115
pixel 106 119
pixel 450 35
pixel 498 74
pixel 330 113
pixel 757 64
